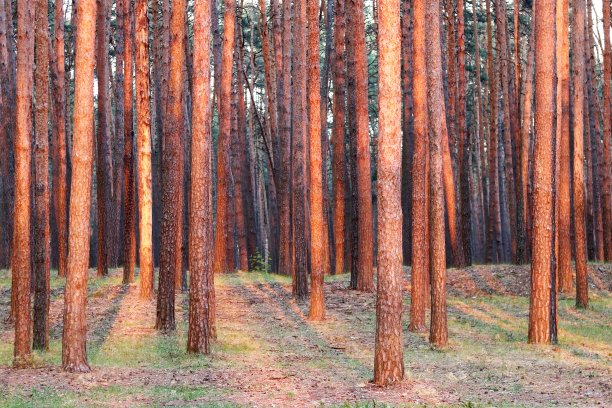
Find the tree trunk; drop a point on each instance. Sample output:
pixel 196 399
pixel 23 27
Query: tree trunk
pixel 578 68
pixel 494 235
pixel 103 172
pixel 407 130
pixel 543 168
pixel 300 117
pixel 143 130
pixel 365 273
pixel 285 260
pixel 420 176
pixel 438 334
pixel 129 181
pixel 74 355
pixel 502 42
pixel 318 229
pixel 41 238
pixel 20 264
pixel 338 136
pixel 463 166
pixel 388 354
pixel 59 119
pixel 564 258
pixel 171 173
pixel 201 293
pixel 220 263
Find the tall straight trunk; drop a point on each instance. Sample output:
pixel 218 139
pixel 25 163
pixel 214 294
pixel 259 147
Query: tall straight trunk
pixel 327 9
pixel 463 166
pixel 239 155
pixel 129 181
pixel 388 352
pixel 595 142
pixel 607 116
pixel 171 173
pixel 201 293
pixel 438 334
pixel 564 257
pixel 298 152
pixel 318 229
pixel 578 68
pixel 220 263
pixel 494 233
pixel 352 203
pixel 526 133
pixel 542 199
pixel 365 274
pixel 504 78
pixel 20 263
pixel 119 135
pixel 407 129
pixel 143 132
pixel 420 176
pixel 42 236
pixel 479 143
pixel 103 168
pixel 338 136
pixel 157 123
pixel 59 121
pixel 285 260
pixel 74 336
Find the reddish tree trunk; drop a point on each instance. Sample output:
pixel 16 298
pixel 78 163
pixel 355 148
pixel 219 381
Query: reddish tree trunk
pixel 129 181
pixel 20 263
pixel 338 136
pixel 74 354
pixel 201 293
pixel 388 354
pixel 420 177
pixel 318 229
pixel 220 264
pixel 143 128
pixel 365 274
pixel 438 334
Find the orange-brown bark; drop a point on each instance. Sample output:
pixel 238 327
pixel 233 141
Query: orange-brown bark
pixel 201 291
pixel 338 136
pixel 220 263
pixel 543 168
pixel 564 257
pixel 74 354
pixel 388 354
pixel 20 262
pixel 143 132
pixel 317 222
pixel 578 76
pixel 420 177
pixel 365 274
pixel 438 334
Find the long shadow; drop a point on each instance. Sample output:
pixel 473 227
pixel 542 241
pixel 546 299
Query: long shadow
pixel 102 325
pixel 288 311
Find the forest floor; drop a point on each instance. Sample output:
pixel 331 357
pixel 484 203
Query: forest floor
pixel 269 354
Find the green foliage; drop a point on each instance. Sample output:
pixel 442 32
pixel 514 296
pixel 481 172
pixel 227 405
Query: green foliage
pixel 258 263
